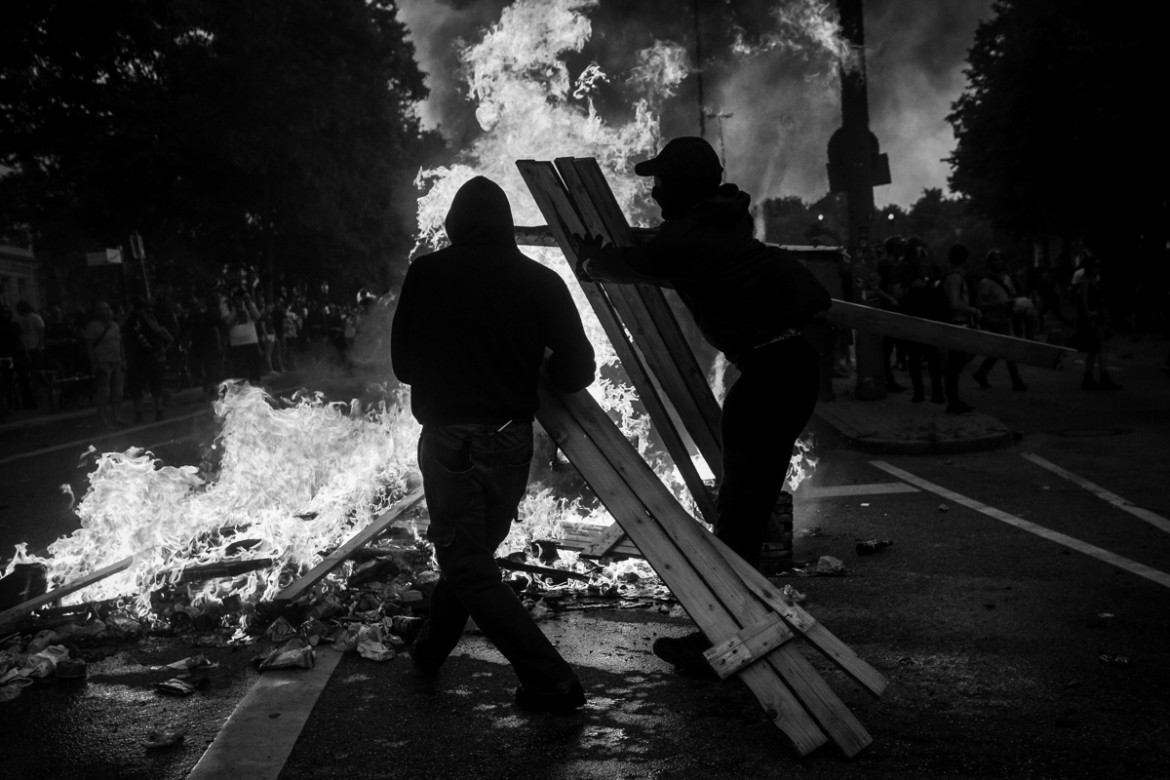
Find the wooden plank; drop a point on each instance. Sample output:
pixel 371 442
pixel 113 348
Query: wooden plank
pixel 609 481
pixel 941 334
pixel 605 542
pixel 22 609
pixel 749 645
pixel 342 553
pixel 553 200
pixel 672 360
pixel 678 548
pixel 805 624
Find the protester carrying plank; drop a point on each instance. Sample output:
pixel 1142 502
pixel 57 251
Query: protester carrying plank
pixel 750 300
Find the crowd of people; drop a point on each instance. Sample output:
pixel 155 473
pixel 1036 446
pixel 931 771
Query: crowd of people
pixel 1021 301
pixel 141 349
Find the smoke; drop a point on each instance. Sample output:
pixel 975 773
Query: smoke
pixel 768 78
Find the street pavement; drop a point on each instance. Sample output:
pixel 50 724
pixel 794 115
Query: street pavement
pixel 1020 616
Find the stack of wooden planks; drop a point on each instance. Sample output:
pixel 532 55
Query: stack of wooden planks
pixel 751 625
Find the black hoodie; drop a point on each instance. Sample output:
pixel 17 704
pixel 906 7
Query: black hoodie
pixel 473 321
pixel 741 291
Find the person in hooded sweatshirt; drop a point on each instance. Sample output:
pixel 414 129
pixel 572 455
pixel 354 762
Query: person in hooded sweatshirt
pixel 470 333
pixel 750 301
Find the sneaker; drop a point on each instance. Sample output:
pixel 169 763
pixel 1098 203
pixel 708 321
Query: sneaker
pixel 557 703
pixel 685 654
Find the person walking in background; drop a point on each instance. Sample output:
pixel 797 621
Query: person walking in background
pixel 954 287
pixel 996 298
pixel 145 342
pixel 1092 322
pixel 31 370
pixel 103 344
pixel 244 357
pixel 469 336
pixel 751 301
pixel 925 300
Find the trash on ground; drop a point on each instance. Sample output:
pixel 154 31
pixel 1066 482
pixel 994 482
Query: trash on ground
pixel 944 508
pixel 165 736
pixel 871 546
pixel 192 662
pixel 792 594
pixel 292 655
pixel 1115 659
pixel 175 687
pixel 371 646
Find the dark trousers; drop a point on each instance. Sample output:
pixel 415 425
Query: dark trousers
pixel 474 478
pixel 954 368
pixel 763 415
pixel 915 353
pixel 1003 329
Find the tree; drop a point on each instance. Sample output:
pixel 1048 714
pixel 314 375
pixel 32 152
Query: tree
pixel 274 133
pixel 1056 132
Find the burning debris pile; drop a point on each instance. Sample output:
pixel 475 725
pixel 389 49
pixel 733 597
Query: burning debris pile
pixel 207 551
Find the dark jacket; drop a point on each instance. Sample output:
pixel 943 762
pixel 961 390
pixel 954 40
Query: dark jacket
pixel 741 291
pixel 473 321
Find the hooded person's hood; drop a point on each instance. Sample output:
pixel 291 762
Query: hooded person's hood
pixel 480 214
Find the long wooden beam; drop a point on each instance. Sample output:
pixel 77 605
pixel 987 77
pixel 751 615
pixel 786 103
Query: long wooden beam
pixel 342 553
pixel 940 334
pixel 20 610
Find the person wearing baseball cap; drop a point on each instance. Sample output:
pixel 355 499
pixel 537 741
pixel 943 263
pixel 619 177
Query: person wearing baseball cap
pixel 751 301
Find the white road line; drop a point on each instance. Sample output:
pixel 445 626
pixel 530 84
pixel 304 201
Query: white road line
pixel 1112 559
pixel 86 442
pixel 1152 518
pixel 258 738
pixel 839 491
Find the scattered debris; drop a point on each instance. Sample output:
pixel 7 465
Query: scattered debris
pixel 292 655
pixel 871 546
pixel 166 736
pixel 175 687
pixel 944 508
pixel 792 594
pixel 1115 659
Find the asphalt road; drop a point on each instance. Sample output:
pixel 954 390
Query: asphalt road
pixel 1011 574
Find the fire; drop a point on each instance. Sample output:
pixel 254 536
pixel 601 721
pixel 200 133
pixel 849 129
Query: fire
pixel 292 482
pixel 804 27
pixel 299 478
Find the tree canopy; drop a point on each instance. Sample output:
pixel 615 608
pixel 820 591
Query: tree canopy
pixel 274 133
pixel 1057 131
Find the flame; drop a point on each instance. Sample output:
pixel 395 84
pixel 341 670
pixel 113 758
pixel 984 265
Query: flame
pixel 804 27
pixel 292 482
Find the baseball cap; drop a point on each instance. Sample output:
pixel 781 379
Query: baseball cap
pixel 689 157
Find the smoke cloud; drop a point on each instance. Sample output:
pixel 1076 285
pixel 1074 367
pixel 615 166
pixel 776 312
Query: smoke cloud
pixel 770 90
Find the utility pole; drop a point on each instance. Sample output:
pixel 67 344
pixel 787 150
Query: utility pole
pixel 855 167
pixel 699 69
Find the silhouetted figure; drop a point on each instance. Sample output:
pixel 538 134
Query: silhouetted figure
pixel 924 299
pixel 1092 320
pixel 996 298
pixel 469 336
pixel 954 287
pixel 145 342
pixel 103 343
pixel 750 300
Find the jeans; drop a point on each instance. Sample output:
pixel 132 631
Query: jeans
pixel 763 415
pixel 1003 329
pixel 474 477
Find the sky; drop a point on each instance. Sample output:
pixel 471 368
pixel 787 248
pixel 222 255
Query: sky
pixel 777 88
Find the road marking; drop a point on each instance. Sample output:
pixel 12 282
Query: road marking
pixel 258 738
pixel 1152 518
pixel 871 489
pixel 82 444
pixel 1113 559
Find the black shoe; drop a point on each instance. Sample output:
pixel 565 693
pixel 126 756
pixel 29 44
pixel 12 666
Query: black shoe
pixel 1106 383
pixel 918 398
pixel 1019 387
pixel 557 703
pixel 959 408
pixel 981 380
pixel 894 387
pixel 686 654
